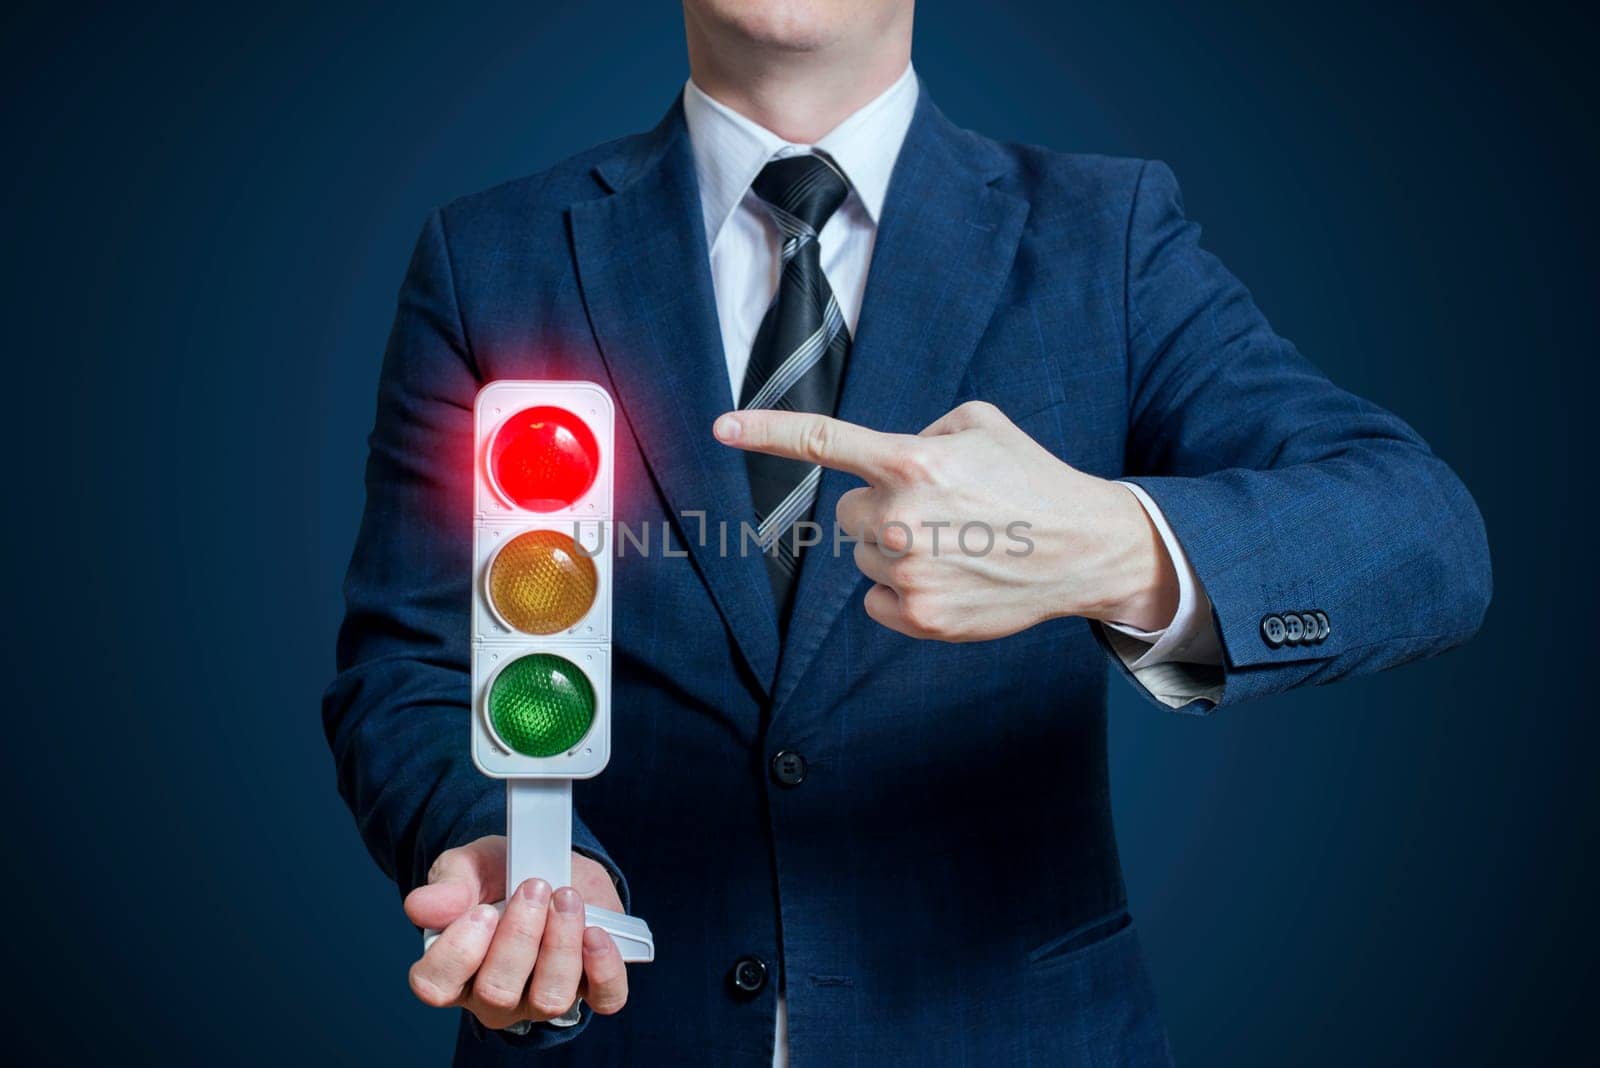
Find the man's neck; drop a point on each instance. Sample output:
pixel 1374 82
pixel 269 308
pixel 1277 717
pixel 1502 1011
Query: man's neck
pixel 799 96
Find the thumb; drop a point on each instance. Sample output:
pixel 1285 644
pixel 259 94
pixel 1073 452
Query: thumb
pixel 473 874
pixel 969 416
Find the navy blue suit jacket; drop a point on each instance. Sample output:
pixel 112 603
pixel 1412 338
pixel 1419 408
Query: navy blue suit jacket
pixel 1071 292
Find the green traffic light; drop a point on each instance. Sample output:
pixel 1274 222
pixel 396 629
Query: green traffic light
pixel 541 705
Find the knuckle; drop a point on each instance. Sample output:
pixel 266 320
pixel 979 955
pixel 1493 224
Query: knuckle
pixel 457 959
pixel 923 615
pixel 428 991
pixel 979 411
pixel 608 1002
pixel 549 1003
pixel 917 462
pixel 496 996
pixel 816 440
pixel 894 535
pixel 907 573
pixel 521 924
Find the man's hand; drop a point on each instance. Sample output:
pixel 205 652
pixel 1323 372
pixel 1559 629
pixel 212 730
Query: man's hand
pixel 972 530
pixel 533 962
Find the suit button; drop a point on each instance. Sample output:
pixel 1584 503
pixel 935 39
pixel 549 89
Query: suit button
pixel 788 768
pixel 1323 624
pixel 1313 628
pixel 1272 631
pixel 749 975
pixel 1293 629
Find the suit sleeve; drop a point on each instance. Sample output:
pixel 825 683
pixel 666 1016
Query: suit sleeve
pixel 1287 493
pixel 397 712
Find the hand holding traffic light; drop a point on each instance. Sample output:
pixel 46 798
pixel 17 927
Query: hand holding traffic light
pixel 1090 549
pixel 531 963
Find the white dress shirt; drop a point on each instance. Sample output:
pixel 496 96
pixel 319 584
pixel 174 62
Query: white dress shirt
pixel 729 151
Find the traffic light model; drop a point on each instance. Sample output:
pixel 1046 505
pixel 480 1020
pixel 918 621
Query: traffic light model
pixel 541 619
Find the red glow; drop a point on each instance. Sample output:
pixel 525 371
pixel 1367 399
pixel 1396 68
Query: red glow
pixel 544 459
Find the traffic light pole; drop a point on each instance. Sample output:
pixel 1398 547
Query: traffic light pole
pixel 539 843
pixel 538 832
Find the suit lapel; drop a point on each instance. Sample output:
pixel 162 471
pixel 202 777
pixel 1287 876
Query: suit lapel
pixel 944 248
pixel 644 273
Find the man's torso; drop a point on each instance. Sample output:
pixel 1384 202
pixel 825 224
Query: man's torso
pixel 945 876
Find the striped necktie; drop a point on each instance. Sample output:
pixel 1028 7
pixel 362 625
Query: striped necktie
pixel 797 361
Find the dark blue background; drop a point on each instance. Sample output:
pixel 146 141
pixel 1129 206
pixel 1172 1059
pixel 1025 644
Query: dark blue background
pixel 207 215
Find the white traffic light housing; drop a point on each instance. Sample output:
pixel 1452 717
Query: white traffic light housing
pixel 541 589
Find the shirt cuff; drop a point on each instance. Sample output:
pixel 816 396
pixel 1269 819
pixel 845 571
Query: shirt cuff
pixel 1191 637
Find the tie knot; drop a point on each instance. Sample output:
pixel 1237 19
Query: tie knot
pixel 801 192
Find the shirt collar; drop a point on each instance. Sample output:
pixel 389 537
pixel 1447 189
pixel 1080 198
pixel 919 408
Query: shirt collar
pixel 730 150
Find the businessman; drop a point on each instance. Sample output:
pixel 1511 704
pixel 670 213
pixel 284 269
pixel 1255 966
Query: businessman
pixel 858 781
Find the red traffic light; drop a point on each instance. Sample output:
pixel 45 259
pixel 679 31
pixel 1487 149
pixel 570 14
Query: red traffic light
pixel 544 459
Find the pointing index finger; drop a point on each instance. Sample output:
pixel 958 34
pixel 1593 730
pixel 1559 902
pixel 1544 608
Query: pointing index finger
pixel 812 438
